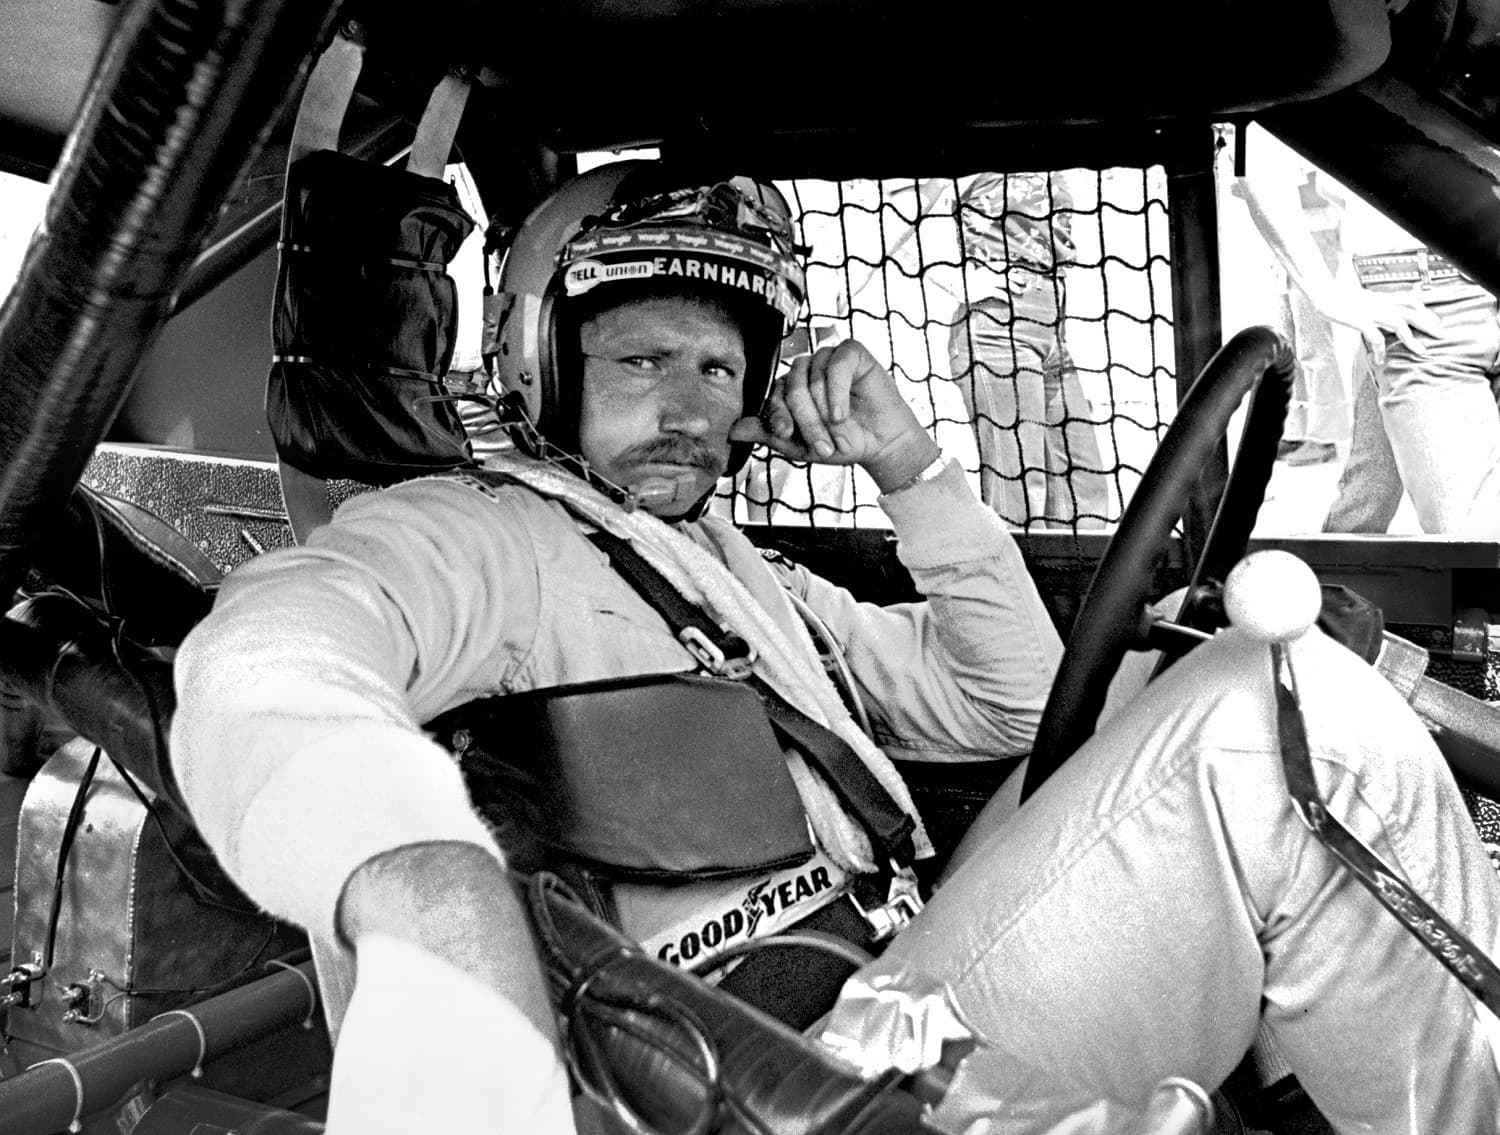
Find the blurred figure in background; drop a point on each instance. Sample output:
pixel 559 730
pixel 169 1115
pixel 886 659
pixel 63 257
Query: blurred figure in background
pixel 1032 420
pixel 1425 418
pixel 1318 420
pixel 1039 458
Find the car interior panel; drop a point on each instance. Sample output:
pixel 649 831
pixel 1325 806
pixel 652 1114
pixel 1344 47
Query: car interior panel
pixel 137 467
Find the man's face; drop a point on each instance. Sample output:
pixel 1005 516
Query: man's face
pixel 662 383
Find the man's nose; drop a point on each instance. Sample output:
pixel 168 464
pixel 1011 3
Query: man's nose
pixel 686 405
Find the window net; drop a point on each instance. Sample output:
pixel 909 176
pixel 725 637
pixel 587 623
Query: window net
pixel 1027 318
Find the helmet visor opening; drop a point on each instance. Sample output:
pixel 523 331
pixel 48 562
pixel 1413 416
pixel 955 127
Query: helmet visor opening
pixel 759 326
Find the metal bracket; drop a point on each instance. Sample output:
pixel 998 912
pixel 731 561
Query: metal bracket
pixel 84 1001
pixel 20 981
pixel 903 903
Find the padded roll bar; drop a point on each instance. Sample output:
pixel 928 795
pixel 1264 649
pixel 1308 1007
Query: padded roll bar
pixel 182 99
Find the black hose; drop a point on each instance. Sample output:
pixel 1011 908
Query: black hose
pixel 64 847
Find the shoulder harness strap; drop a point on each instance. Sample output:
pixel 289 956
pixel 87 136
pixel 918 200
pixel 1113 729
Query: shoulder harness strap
pixel 883 819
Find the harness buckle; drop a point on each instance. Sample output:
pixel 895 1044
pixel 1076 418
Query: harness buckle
pixel 903 903
pixel 715 661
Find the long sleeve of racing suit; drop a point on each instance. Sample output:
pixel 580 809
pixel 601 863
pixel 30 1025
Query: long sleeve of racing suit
pixel 297 738
pixel 964 674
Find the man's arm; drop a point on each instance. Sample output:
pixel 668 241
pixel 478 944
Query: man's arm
pixel 443 944
pixel 299 696
pixel 297 748
pixel 1277 216
pixel 455 902
pixel 966 673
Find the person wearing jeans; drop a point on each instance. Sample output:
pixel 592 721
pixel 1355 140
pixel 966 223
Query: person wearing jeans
pixel 1039 460
pixel 1425 418
pixel 1318 420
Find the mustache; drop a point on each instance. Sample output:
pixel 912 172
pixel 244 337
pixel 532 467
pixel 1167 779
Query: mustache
pixel 680 451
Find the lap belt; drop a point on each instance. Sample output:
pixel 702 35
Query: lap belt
pixel 1417 266
pixel 1465 960
pixel 726 654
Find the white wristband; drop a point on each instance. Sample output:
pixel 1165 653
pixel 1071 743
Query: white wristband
pixel 929 473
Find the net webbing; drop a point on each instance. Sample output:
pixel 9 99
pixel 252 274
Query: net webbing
pixel 1037 306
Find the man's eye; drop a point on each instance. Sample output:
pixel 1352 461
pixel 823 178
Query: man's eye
pixel 639 362
pixel 722 373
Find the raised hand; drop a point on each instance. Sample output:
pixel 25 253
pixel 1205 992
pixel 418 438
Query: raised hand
pixel 841 407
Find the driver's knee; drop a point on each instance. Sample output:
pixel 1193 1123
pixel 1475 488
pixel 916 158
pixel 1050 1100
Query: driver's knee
pixel 1201 743
pixel 1376 768
pixel 1212 721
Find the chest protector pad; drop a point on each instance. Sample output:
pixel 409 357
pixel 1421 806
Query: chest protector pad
pixel 667 777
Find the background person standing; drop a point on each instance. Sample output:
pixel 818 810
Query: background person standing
pixel 1425 417
pixel 1318 420
pixel 1033 423
pixel 1007 351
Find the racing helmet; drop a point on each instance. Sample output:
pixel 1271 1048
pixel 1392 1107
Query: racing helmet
pixel 636 229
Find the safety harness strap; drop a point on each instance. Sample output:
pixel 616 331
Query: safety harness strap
pixel 719 650
pixel 855 785
pixel 1465 960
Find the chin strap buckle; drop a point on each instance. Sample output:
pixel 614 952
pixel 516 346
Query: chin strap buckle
pixel 903 902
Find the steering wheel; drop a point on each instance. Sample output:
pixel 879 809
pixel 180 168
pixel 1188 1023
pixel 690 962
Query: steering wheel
pixel 1113 616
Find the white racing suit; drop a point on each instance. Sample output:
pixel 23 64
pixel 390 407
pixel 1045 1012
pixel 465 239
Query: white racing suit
pixel 1136 920
pixel 433 593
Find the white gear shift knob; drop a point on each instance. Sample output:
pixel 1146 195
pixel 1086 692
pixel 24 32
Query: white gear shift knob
pixel 1273 596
